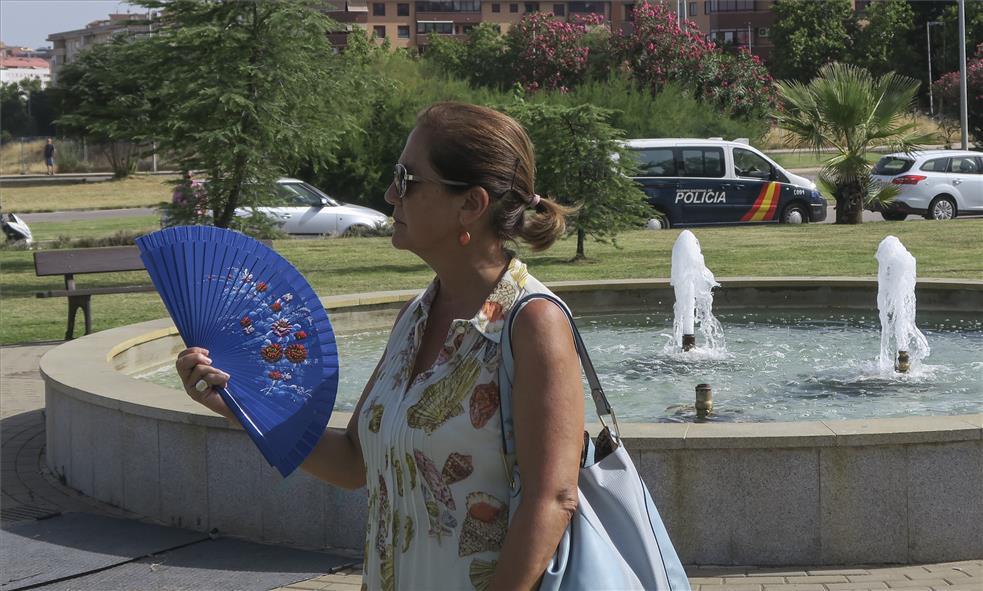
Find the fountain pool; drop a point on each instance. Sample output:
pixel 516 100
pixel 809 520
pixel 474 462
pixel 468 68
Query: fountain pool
pixel 779 366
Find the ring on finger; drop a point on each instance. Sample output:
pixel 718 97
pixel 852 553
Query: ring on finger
pixel 202 386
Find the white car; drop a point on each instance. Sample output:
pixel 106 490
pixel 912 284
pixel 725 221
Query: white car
pixel 304 209
pixel 937 184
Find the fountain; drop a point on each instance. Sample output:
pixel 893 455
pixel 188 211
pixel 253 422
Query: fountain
pixel 693 284
pixel 896 306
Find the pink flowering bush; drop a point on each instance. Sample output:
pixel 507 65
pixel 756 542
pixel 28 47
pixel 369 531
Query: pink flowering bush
pixel 948 88
pixel 549 53
pixel 658 51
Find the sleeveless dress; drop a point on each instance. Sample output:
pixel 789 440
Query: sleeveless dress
pixel 437 487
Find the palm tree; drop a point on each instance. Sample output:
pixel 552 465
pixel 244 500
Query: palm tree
pixel 847 109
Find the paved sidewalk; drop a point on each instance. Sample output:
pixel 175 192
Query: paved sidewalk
pixel 28 492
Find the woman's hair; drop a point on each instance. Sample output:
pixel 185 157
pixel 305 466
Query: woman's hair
pixel 483 147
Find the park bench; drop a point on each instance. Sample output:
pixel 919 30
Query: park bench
pixel 73 262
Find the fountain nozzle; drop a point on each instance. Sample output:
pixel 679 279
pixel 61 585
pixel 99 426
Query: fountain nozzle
pixel 704 401
pixel 903 364
pixel 689 342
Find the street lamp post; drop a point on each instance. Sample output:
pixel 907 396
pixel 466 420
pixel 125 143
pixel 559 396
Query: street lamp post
pixel 928 35
pixel 963 99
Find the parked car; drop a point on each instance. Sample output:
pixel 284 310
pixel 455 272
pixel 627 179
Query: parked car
pixel 300 208
pixel 937 184
pixel 700 182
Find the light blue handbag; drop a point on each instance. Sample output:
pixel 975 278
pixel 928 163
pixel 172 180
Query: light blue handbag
pixel 616 538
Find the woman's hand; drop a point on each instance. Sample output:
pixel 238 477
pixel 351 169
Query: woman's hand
pixel 200 380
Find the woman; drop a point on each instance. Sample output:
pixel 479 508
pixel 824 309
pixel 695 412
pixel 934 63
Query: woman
pixel 425 437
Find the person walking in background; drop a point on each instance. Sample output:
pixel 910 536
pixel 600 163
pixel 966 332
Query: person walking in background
pixel 49 157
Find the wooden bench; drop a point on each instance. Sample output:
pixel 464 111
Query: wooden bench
pixel 69 263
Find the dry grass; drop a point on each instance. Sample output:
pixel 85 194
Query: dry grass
pixel 775 138
pixel 22 158
pixel 136 191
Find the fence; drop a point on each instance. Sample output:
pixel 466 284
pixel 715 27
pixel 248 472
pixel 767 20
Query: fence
pixel 25 155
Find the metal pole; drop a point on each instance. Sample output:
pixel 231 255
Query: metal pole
pixel 963 101
pixel 928 35
pixel 750 44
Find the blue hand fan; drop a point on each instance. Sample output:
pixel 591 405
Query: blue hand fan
pixel 261 323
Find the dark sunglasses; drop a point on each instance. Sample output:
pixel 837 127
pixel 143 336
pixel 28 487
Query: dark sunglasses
pixel 402 177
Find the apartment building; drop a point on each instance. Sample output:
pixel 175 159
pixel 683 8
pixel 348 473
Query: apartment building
pixel 68 44
pixel 742 23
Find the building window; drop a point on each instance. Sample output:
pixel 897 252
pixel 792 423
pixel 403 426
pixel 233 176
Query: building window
pixel 692 11
pixel 706 7
pixel 763 32
pixel 513 8
pixel 587 7
pixel 532 6
pixel 378 9
pixel 424 28
pixel 402 10
pixel 449 6
pixel 403 31
pixel 379 31
pixel 629 12
pixel 559 10
pixel 496 7
pixel 734 6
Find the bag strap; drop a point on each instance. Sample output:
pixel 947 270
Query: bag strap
pixel 507 371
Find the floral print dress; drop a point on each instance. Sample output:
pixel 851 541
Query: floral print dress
pixel 437 487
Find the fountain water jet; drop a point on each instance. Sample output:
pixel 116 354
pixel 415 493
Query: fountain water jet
pixel 896 307
pixel 693 284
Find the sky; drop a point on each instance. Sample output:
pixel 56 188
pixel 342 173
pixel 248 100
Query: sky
pixel 28 23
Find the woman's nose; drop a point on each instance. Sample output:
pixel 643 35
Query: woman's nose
pixel 390 196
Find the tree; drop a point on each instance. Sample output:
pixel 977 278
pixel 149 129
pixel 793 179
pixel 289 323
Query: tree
pixel 481 59
pixel 807 34
pixel 580 161
pixel 659 52
pixel 247 91
pixel 548 53
pixel 847 109
pixel 104 99
pixel 879 42
pixel 947 89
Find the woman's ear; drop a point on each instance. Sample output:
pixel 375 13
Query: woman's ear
pixel 476 203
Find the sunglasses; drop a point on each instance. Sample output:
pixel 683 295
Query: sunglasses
pixel 402 178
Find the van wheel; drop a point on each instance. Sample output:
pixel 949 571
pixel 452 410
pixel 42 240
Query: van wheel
pixel 794 213
pixel 942 208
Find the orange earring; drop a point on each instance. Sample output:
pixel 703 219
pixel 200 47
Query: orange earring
pixel 464 238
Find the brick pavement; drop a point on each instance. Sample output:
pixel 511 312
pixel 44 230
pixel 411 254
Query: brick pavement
pixel 29 492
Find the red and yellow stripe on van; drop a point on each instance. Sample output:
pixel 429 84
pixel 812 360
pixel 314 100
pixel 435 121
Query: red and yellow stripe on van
pixel 764 206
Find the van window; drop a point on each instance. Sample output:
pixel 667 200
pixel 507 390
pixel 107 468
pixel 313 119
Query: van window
pixel 702 162
pixel 936 165
pixel 655 162
pixel 892 165
pixel 748 164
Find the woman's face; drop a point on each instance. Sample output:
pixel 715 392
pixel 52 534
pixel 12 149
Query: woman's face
pixel 426 219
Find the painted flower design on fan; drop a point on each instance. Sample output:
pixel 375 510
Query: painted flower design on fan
pixel 281 327
pixel 296 353
pixel 272 352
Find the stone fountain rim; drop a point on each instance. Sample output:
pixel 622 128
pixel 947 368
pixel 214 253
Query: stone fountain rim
pixel 99 383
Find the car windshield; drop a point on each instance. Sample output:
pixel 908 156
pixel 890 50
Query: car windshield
pixel 301 194
pixel 890 165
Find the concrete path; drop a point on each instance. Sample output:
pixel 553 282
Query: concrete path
pixel 29 492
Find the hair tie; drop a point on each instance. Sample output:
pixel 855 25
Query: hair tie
pixel 534 200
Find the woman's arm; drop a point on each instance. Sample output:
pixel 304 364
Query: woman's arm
pixel 337 457
pixel 548 410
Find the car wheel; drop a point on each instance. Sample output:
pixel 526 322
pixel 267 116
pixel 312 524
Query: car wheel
pixel 794 213
pixel 893 216
pixel 942 208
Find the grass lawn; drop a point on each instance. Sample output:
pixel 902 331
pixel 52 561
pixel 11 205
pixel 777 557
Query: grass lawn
pixel 809 159
pixel 94 228
pixel 350 265
pixel 136 191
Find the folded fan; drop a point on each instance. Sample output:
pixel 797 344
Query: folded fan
pixel 261 323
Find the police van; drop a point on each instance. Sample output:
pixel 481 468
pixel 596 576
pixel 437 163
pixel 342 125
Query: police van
pixel 693 182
